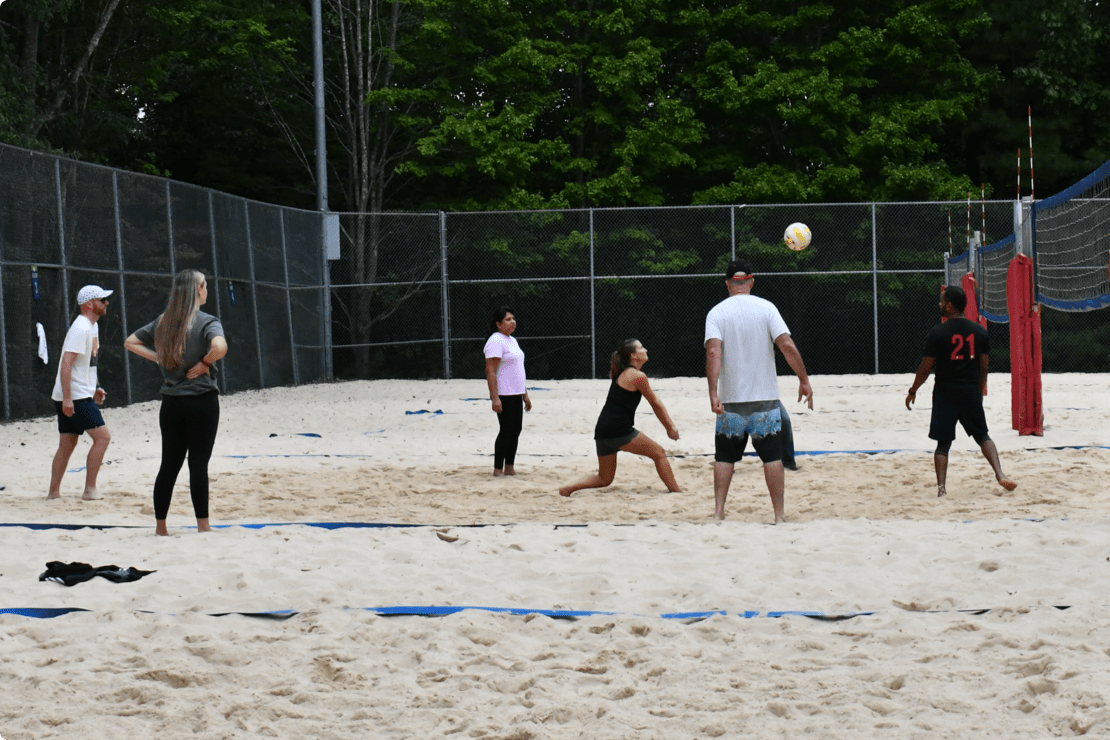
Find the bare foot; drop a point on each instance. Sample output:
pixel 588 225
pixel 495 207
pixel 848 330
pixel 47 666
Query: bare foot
pixel 941 491
pixel 202 526
pixel 510 470
pixel 498 473
pixel 91 494
pixel 718 517
pixel 566 491
pixel 160 528
pixel 51 496
pixel 780 520
pixel 1009 485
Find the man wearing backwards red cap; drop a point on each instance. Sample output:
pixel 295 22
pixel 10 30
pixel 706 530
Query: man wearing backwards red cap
pixel 77 395
pixel 741 333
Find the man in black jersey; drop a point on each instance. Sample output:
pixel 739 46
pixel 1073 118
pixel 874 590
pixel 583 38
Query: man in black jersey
pixel 959 348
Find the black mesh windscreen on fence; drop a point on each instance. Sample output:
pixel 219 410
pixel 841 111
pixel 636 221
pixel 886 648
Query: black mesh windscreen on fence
pixel 192 230
pixel 144 224
pixel 65 224
pixel 29 206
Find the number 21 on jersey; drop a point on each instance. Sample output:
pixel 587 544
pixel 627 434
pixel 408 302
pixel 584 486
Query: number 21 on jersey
pixel 958 348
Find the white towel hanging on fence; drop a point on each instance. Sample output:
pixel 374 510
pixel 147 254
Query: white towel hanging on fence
pixel 42 343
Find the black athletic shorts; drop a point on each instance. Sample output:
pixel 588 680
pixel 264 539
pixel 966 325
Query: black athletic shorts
pixel 86 415
pixel 613 444
pixel 962 402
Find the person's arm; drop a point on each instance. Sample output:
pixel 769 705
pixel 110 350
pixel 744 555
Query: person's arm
pixel 983 374
pixel 640 383
pixel 68 358
pixel 527 401
pixel 923 371
pixel 217 348
pixel 713 372
pixel 492 363
pixel 794 360
pixel 135 345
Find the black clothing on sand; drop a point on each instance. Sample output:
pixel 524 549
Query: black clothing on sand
pixel 70 574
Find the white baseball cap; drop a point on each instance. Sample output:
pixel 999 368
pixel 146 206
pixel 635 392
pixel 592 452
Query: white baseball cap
pixel 91 292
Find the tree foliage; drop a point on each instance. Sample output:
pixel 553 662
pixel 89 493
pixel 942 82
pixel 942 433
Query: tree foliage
pixel 482 104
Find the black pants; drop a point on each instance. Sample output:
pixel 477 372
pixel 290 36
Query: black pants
pixel 511 421
pixel 189 425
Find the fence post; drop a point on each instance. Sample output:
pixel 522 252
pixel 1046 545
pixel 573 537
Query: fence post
pixel 288 302
pixel 216 278
pixel 329 370
pixel 169 229
pixel 62 240
pixel 445 296
pixel 732 231
pixel 593 306
pixel 122 288
pixel 875 283
pixel 4 347
pixel 254 296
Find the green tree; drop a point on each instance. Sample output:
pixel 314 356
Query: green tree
pixel 571 104
pixel 1048 55
pixel 832 101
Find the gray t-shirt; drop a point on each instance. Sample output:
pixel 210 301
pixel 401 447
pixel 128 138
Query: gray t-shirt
pixel 198 342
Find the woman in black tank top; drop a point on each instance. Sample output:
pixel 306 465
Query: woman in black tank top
pixel 615 429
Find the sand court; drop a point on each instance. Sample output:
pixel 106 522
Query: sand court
pixel 983 611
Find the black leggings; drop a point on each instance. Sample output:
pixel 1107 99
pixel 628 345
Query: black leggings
pixel 189 425
pixel 511 420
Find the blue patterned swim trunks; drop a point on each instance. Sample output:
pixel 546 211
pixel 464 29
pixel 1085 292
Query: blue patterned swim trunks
pixel 760 420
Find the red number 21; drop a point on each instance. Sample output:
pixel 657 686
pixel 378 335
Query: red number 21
pixel 959 342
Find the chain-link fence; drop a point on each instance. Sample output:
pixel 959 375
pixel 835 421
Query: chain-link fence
pixel 64 224
pixel 413 292
pixel 410 294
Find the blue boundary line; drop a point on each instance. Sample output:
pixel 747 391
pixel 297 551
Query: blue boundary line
pixel 445 611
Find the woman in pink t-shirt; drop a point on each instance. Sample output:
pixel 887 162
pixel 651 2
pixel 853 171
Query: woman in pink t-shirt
pixel 505 376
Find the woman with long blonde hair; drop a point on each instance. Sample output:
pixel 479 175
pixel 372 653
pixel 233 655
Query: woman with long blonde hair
pixel 185 342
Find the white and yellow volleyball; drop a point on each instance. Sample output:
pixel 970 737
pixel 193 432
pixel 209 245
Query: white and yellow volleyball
pixel 797 236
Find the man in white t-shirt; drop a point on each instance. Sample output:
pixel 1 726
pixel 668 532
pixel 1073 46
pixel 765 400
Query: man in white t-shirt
pixel 741 333
pixel 77 394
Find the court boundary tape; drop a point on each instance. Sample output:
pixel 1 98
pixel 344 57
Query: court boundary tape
pixel 569 614
pixel 405 525
pixel 798 453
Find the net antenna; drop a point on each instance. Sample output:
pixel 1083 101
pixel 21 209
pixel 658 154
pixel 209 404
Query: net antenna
pixel 1019 175
pixel 969 268
pixel 983 204
pixel 1032 188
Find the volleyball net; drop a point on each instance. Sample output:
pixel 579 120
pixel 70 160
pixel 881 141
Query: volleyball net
pixel 1071 245
pixel 1057 257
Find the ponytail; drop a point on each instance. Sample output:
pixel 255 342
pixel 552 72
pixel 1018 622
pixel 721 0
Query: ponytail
pixel 622 358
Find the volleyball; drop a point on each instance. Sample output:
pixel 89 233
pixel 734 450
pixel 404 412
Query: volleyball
pixel 797 236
